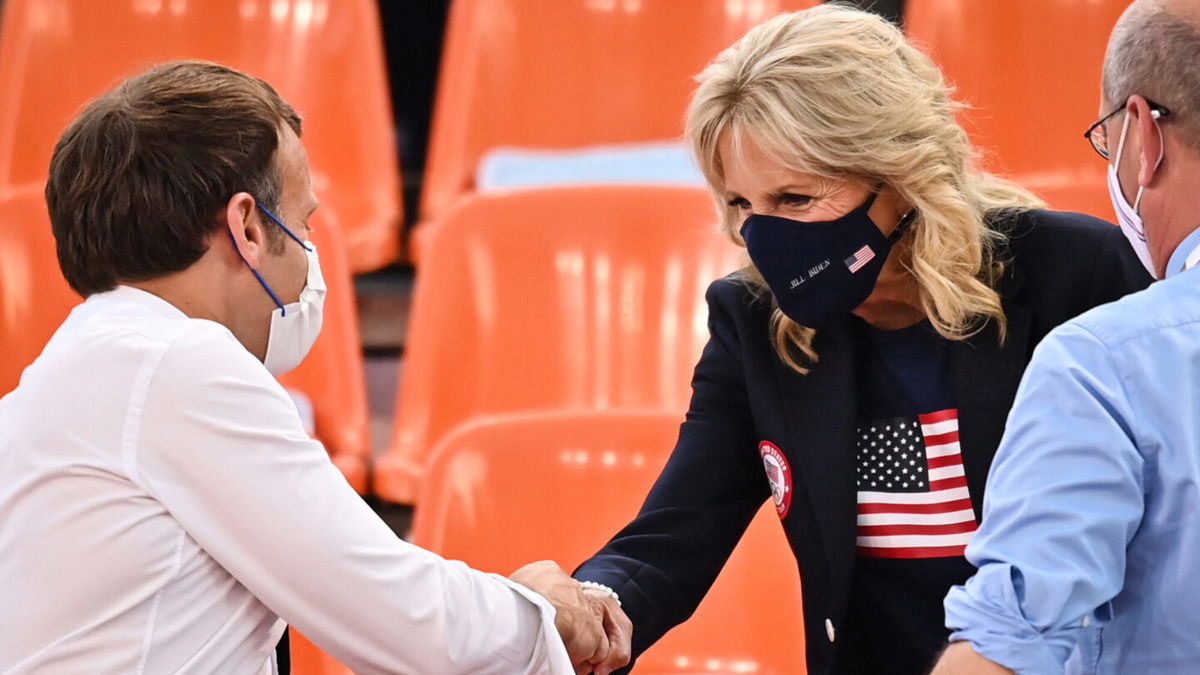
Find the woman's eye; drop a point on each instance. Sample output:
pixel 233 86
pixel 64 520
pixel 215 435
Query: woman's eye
pixel 795 200
pixel 739 203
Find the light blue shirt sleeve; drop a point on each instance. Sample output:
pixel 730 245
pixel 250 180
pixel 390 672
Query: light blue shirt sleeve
pixel 1064 498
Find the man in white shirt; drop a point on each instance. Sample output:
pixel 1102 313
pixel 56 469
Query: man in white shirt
pixel 161 508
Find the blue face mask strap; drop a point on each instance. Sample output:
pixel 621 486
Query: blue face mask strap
pixel 257 275
pixel 253 271
pixel 279 222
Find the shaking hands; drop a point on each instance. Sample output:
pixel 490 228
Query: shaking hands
pixel 596 632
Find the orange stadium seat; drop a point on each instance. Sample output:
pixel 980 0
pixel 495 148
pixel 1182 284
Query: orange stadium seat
pixel 55 55
pixel 556 298
pixel 332 376
pixel 308 659
pixel 508 490
pixel 1032 79
pixel 567 74
pixel 34 297
pixel 324 56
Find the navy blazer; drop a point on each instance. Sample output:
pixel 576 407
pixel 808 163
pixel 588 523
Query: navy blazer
pixel 1059 265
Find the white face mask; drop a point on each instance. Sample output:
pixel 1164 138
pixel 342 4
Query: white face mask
pixel 1127 216
pixel 295 326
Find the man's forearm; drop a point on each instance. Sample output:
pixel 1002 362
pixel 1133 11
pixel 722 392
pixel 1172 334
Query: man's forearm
pixel 961 659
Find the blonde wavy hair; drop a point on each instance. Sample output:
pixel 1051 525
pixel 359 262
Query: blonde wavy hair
pixel 840 93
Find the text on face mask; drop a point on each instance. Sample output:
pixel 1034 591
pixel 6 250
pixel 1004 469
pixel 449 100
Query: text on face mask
pixel 812 272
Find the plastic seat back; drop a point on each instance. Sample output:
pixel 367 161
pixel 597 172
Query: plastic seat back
pixel 556 298
pixel 570 73
pixel 323 56
pixel 309 659
pixel 332 376
pixel 34 297
pixel 56 55
pixel 1032 78
pixel 505 491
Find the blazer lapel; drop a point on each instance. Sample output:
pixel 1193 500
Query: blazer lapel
pixel 986 377
pixel 820 412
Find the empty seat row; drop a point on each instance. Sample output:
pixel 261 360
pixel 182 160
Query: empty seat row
pixel 506 490
pixel 323 56
pixel 52 58
pixel 562 298
pixel 529 75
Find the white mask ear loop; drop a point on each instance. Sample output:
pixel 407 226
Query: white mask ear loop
pixel 1154 114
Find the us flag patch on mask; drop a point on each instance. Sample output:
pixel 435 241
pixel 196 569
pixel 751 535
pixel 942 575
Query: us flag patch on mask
pixel 861 257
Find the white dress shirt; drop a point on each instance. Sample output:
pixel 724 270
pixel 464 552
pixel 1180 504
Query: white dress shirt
pixel 161 508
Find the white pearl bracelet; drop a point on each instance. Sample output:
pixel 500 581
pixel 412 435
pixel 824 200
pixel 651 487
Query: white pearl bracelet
pixel 602 588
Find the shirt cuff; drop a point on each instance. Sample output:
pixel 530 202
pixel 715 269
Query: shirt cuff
pixel 987 613
pixel 550 648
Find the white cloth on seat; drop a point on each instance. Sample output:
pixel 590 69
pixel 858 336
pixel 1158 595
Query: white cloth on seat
pixel 667 162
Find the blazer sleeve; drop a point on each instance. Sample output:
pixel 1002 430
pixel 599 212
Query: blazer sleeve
pixel 664 562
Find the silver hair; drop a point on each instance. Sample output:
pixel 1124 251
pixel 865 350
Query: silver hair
pixel 1154 53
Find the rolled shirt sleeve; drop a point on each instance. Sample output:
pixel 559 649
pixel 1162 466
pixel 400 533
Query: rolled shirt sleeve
pixel 1064 498
pixel 220 445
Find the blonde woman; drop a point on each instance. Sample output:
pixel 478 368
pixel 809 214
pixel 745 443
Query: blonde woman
pixel 861 366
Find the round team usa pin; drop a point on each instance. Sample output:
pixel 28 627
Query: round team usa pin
pixel 779 475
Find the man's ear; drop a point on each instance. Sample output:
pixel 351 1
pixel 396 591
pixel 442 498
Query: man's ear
pixel 246 228
pixel 1150 140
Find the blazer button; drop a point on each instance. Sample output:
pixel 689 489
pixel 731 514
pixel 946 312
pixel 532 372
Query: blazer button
pixel 829 630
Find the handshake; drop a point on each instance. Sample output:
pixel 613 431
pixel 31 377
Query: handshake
pixel 597 634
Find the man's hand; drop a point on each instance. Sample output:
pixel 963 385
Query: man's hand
pixel 961 659
pixel 617 627
pixel 580 621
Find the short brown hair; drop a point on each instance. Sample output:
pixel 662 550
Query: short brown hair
pixel 139 179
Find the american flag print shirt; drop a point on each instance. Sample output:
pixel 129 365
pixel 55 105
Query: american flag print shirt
pixel 913 500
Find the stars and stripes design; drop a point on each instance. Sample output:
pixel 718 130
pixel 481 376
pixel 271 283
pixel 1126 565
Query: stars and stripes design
pixel 861 257
pixel 912 493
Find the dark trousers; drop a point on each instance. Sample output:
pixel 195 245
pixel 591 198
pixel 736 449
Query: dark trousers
pixel 283 654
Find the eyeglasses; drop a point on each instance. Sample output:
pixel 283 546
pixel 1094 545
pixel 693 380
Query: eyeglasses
pixel 1098 136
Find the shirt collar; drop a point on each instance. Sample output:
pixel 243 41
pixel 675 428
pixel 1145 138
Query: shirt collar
pixel 1186 255
pixel 144 298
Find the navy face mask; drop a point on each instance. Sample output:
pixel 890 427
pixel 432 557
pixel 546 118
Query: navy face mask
pixel 820 270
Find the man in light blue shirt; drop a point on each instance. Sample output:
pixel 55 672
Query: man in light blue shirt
pixel 1089 549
